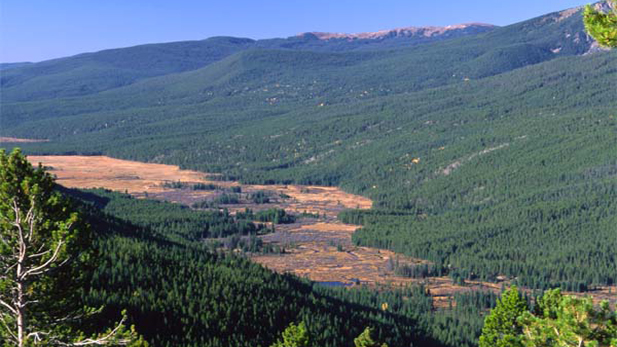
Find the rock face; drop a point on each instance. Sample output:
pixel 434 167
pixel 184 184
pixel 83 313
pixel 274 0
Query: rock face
pixel 605 6
pixel 408 32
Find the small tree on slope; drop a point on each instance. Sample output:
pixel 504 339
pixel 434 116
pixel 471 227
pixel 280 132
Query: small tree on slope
pixel 294 336
pixel 365 340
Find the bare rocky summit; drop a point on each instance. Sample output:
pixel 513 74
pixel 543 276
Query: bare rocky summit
pixel 428 32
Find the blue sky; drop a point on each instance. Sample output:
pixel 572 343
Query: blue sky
pixel 35 30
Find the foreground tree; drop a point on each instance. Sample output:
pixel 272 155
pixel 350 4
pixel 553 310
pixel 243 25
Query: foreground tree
pixel 294 336
pixel 567 321
pixel 502 327
pixel 45 254
pixel 365 340
pixel 602 26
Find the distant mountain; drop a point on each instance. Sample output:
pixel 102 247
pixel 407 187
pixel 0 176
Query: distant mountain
pixel 425 32
pixel 89 73
pixel 493 49
pixel 6 66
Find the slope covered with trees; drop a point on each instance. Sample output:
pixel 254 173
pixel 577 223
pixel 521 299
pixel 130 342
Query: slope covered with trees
pixel 489 155
pixel 459 173
pixel 301 74
pixel 178 292
pixel 90 73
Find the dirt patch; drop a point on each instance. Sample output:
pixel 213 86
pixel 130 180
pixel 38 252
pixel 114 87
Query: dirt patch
pixel 456 164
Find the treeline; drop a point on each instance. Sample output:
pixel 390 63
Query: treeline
pixel 273 215
pixel 173 220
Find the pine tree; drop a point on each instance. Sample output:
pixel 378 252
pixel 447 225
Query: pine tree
pixel 602 26
pixel 365 340
pixel 567 321
pixel 294 336
pixel 45 252
pixel 501 327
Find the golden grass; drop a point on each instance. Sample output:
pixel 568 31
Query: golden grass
pixel 115 174
pixel 138 178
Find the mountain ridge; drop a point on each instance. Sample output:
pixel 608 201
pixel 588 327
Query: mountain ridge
pixel 411 31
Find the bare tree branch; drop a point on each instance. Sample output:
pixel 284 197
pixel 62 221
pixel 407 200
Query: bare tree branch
pixel 33 248
pixel 104 340
pixel 11 308
pixel 41 268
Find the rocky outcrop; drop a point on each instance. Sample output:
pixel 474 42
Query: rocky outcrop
pixel 428 32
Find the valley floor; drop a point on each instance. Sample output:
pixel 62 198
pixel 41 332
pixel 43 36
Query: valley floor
pixel 318 247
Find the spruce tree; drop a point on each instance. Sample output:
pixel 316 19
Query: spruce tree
pixel 294 336
pixel 502 327
pixel 45 257
pixel 567 321
pixel 365 340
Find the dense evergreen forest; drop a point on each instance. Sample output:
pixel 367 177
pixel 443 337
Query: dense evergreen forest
pixel 490 154
pixel 178 292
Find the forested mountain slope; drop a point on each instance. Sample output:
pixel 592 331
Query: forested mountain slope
pixel 179 292
pixel 90 73
pixel 539 39
pixel 490 155
pixel 299 75
pixel 6 66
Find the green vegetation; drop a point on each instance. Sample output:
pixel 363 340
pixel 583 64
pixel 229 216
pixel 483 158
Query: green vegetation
pixel 602 26
pixel 488 155
pixel 294 336
pixel 175 185
pixel 276 216
pixel 175 221
pixel 205 186
pixel 556 321
pixel 502 328
pixel 223 199
pixel 365 340
pixel 197 186
pixel 46 255
pixel 259 197
pixel 179 292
